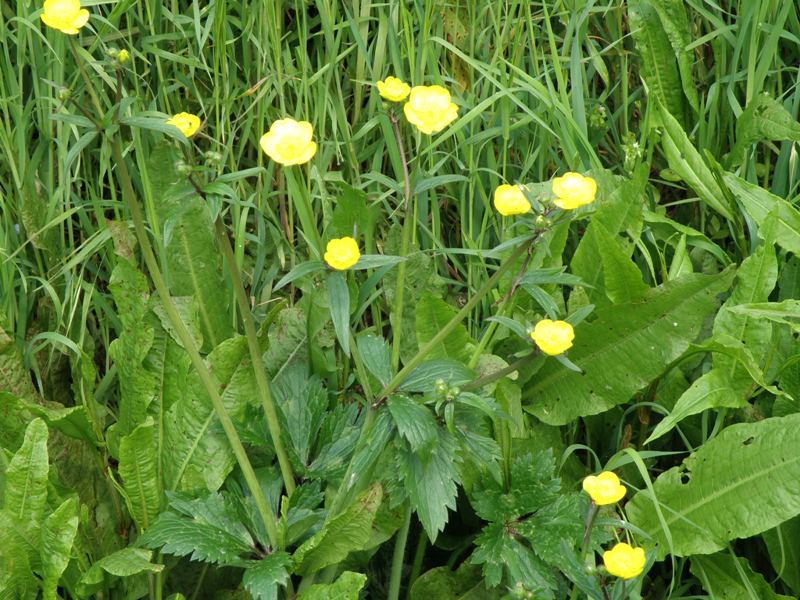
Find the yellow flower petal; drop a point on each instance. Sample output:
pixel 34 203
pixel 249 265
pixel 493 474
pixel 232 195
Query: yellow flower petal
pixel 187 123
pixel 393 89
pixel 624 561
pixel 342 253
pixel 510 200
pixel 573 190
pixel 604 488
pixel 553 337
pixel 289 142
pixel 430 109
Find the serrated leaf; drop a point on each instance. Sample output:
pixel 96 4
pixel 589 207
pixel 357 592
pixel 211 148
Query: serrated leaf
pixel 262 578
pixel 346 587
pixel 303 402
pixel 414 422
pixel 339 302
pixel 466 583
pixel 206 530
pixel 424 377
pixel 625 348
pixel 732 578
pixel 138 469
pixel 376 356
pixel 743 482
pixel 287 338
pixel 431 484
pixel 340 536
pixel 432 314
pixel 58 535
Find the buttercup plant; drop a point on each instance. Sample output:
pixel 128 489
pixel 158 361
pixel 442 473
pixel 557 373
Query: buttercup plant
pixel 65 15
pixel 187 123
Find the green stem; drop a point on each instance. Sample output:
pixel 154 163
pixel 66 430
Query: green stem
pixel 255 357
pixel 397 559
pixel 408 221
pixel 587 530
pixel 188 343
pixel 305 212
pixel 453 323
pixel 419 558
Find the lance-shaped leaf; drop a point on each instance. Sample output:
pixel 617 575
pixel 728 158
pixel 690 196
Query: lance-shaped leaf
pixel 139 471
pixel 25 494
pixel 741 483
pixel 625 348
pixel 58 535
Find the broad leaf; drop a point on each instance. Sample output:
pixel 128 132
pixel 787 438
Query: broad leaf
pixel 126 562
pixel 205 528
pixel 743 482
pixel 58 535
pixel 263 577
pixel 339 302
pixel 625 348
pixel 773 214
pixel 783 546
pixel 687 162
pixel 376 356
pixel 432 315
pixel 764 118
pixel 340 536
pixel 431 483
pixel 730 577
pixel 25 493
pixel 346 587
pixel 139 471
pixel 414 422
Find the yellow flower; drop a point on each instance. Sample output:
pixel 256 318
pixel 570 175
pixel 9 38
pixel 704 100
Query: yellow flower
pixel 605 488
pixel 553 337
pixel 65 15
pixel 509 200
pixel 393 89
pixel 289 142
pixel 342 253
pixel 573 190
pixel 624 561
pixel 430 109
pixel 186 122
pixel 123 56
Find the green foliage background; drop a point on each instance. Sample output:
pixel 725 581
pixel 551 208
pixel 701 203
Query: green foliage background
pixel 443 480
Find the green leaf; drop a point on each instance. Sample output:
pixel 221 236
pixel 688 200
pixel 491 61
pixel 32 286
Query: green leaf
pixel 138 468
pixel 137 385
pixel 25 493
pixel 346 587
pixel 659 67
pixel 764 118
pixel 287 338
pixel 424 377
pixel 58 535
pixel 432 315
pixel 772 214
pixel 625 348
pixel 786 312
pixel 263 577
pixel 414 422
pixel 730 577
pixel 343 534
pixel 466 583
pixel 124 563
pixel 743 482
pixel 303 402
pixel 193 262
pixel 783 546
pixel 687 162
pixel 301 270
pixel 200 455
pixel 339 301
pixel 14 377
pixel 376 356
pixel 352 216
pixel 206 528
pixel 623 279
pixel 375 261
pixel 431 483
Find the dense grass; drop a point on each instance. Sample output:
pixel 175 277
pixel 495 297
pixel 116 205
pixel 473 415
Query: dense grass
pixel 543 88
